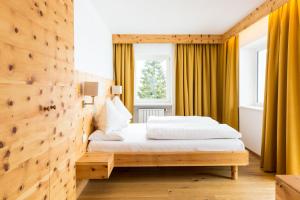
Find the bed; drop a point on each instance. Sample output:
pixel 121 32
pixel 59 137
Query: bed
pixel 138 151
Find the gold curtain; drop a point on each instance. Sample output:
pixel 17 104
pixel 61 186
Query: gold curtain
pixel 202 71
pixel 124 72
pixel 196 79
pixel 281 129
pixel 228 85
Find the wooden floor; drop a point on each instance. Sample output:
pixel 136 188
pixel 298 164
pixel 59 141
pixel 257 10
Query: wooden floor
pixel 191 183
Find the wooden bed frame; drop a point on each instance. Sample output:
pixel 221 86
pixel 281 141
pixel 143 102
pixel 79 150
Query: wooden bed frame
pixel 234 159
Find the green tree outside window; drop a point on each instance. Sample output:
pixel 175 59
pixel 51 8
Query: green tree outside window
pixel 153 81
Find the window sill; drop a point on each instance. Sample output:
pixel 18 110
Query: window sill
pixel 152 104
pixel 256 108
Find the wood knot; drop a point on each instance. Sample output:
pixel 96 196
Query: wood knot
pixel 30 81
pixel 39 185
pixel 10 102
pixel 41 91
pixel 11 67
pixel 16 30
pixel 14 130
pixel 47 43
pixel 28 98
pixel 1 144
pixel 7 154
pixel 37 162
pixel 6 167
pixel 21 187
pixel 41 13
pixel 45 197
pixel 22 148
pixel 30 55
pixel 34 37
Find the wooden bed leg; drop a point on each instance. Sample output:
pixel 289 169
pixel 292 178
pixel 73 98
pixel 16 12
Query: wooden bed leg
pixel 234 172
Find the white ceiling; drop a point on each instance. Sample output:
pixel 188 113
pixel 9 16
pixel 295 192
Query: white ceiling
pixel 173 16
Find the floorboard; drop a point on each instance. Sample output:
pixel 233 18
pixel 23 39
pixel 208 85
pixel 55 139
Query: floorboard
pixel 180 183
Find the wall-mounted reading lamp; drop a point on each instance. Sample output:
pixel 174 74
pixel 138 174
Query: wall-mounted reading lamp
pixel 116 90
pixel 90 89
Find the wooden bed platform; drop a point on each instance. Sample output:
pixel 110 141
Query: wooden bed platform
pixel 234 159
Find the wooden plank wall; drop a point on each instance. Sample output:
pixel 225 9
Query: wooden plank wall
pixel 38 146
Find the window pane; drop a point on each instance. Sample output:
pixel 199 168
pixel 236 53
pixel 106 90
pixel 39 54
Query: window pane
pixel 261 73
pixel 151 78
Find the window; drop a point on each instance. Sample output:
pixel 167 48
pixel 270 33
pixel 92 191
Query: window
pixel 152 79
pixel 261 73
pixel 253 60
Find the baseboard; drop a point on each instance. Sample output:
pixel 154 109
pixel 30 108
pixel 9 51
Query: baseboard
pixel 255 154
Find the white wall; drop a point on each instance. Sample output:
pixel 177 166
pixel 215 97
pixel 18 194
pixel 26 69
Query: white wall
pixel 93 41
pixel 251 117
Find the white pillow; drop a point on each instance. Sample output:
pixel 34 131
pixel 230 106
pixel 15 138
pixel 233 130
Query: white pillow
pixel 121 108
pixel 111 119
pixel 99 135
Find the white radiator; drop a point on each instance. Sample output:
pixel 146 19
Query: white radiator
pixel 144 113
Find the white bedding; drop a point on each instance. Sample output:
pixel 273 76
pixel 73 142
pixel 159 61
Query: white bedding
pixel 135 141
pixel 182 119
pixel 190 131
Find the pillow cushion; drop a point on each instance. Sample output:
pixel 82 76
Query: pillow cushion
pixel 99 135
pixel 111 119
pixel 121 108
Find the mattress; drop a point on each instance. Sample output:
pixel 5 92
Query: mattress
pixel 135 141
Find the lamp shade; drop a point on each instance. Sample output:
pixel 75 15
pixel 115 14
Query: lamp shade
pixel 116 89
pixel 90 89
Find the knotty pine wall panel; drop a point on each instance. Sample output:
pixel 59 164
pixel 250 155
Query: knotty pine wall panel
pixel 39 145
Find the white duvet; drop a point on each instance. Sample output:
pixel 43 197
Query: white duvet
pixel 188 128
pixel 182 119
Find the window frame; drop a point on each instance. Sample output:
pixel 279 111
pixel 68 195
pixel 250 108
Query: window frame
pixel 168 100
pixel 258 103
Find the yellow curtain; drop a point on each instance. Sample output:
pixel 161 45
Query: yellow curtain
pixel 196 79
pixel 281 129
pixel 228 86
pixel 202 71
pixel 124 72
